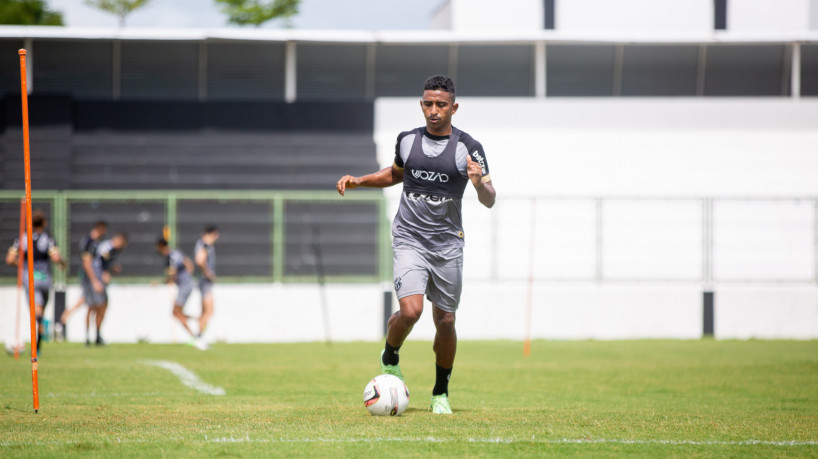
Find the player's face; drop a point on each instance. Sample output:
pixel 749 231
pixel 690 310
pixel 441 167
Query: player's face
pixel 438 108
pixel 210 238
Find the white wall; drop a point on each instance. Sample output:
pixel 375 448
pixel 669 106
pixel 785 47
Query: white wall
pixel 634 15
pixel 764 15
pixel 275 313
pixel 482 15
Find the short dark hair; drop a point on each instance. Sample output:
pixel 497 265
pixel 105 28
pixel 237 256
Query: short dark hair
pixel 161 242
pixel 210 229
pixel 38 219
pixel 441 82
pixel 101 224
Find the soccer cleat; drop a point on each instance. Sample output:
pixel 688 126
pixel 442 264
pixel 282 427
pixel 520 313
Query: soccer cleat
pixel 201 344
pixel 440 404
pixel 393 370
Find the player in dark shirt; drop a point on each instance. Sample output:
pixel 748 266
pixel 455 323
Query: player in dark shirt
pixel 435 164
pixel 179 271
pixel 205 255
pixel 104 264
pixel 45 252
pixel 87 249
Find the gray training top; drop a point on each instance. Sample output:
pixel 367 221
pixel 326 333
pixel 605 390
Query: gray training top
pixel 211 254
pixel 175 264
pixel 429 216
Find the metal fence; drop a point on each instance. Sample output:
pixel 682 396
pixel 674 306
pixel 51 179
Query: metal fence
pixel 726 240
pixel 270 236
pixel 266 236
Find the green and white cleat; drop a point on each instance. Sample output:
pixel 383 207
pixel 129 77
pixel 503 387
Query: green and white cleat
pixel 440 404
pixel 393 370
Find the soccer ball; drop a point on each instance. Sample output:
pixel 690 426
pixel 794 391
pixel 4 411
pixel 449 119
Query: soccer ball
pixel 386 395
pixel 10 345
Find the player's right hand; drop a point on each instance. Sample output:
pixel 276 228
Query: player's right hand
pixel 97 286
pixel 347 182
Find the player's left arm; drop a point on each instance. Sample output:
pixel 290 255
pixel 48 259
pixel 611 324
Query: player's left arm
pixel 478 171
pixel 54 254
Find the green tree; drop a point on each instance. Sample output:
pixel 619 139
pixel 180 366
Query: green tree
pixel 257 12
pixel 28 12
pixel 121 8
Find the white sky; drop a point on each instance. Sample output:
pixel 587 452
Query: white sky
pixel 314 14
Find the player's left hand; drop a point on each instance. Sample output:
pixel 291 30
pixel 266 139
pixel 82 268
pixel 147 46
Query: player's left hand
pixel 474 170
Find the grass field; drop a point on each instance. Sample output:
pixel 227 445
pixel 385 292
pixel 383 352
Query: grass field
pixel 647 398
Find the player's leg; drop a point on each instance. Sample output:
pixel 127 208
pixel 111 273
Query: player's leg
pixel 445 347
pixel 207 312
pixel 91 310
pixel 411 276
pixel 445 286
pixel 100 317
pixel 182 318
pixel 183 292
pixel 67 313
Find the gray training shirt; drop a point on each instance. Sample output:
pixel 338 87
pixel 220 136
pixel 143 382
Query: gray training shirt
pixel 211 254
pixel 429 216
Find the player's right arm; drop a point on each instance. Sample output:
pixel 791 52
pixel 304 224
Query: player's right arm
pixel 11 256
pixel 201 262
pixel 385 177
pixel 88 267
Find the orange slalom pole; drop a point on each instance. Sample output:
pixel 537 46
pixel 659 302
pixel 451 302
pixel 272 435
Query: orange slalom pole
pixel 27 165
pixel 19 279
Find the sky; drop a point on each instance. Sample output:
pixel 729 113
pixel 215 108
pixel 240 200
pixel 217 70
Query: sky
pixel 314 14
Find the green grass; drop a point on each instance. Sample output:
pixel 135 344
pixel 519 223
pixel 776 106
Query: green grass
pixel 646 398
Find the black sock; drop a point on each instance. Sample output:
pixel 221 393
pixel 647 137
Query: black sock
pixel 442 380
pixel 390 355
pixel 39 332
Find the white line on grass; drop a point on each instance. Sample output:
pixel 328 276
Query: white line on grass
pixel 578 441
pixel 187 377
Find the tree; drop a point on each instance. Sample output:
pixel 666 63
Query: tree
pixel 28 12
pixel 121 8
pixel 257 12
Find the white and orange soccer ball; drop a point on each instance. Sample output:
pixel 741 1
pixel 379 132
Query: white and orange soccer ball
pixel 386 395
pixel 11 344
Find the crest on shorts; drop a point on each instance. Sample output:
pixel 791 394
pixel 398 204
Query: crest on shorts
pixel 398 284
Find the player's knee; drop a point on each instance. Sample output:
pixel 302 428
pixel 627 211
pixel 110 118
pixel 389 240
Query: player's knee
pixel 445 322
pixel 410 315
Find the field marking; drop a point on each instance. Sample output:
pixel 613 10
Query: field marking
pixel 545 441
pixel 557 441
pixel 187 377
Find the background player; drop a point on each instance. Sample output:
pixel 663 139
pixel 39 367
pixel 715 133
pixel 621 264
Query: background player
pixel 88 248
pixel 104 263
pixel 205 255
pixel 435 164
pixel 45 251
pixel 179 270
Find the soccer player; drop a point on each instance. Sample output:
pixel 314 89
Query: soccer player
pixel 205 256
pixel 88 248
pixel 435 163
pixel 179 270
pixel 104 263
pixel 45 251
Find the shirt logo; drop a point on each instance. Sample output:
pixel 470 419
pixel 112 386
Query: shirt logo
pixel 480 160
pixel 398 284
pixel 430 176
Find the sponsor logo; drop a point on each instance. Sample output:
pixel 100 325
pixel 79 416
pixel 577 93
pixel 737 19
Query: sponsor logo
pixel 460 234
pixel 480 160
pixel 430 176
pixel 398 284
pixel 426 197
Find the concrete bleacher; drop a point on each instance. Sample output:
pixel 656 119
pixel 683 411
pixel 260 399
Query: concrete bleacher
pixel 92 145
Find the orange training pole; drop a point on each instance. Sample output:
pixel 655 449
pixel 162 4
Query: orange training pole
pixel 27 154
pixel 19 279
